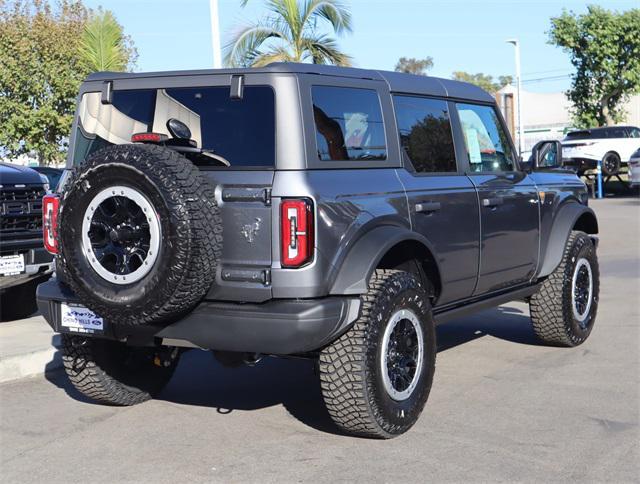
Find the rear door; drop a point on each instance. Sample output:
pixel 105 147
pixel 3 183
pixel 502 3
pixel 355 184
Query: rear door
pixel 508 198
pixel 442 200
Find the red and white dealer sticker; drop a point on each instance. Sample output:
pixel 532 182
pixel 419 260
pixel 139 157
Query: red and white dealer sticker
pixel 79 319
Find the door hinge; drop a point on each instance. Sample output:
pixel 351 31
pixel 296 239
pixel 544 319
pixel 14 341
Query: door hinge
pixel 262 276
pixel 244 194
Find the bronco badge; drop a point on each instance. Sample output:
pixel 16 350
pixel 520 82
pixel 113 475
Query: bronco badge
pixel 251 230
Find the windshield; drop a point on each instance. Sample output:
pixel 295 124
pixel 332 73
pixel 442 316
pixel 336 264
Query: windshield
pixel 241 131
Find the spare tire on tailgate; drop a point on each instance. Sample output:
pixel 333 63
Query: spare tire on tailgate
pixel 140 234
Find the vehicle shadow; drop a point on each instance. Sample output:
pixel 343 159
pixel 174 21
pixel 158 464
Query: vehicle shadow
pixel 19 302
pixel 294 383
pixel 504 322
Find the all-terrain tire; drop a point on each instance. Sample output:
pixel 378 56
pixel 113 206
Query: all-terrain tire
pixel 113 373
pixel 188 218
pixel 552 307
pixel 351 367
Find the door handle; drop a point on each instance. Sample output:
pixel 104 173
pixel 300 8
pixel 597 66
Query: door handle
pixel 492 202
pixel 427 207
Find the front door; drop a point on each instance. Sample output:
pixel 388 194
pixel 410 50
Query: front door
pixel 509 211
pixel 442 199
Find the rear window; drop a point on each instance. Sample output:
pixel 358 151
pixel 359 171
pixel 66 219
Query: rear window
pixel 241 131
pixel 349 124
pixel 575 135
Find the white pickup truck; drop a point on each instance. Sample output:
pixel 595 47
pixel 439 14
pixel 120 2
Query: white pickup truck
pixel 613 145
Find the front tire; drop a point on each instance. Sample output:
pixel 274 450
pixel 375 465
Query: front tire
pixel 563 311
pixel 112 373
pixel 376 377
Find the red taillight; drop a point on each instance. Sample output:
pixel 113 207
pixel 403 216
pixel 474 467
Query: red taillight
pixel 148 138
pixel 50 208
pixel 296 232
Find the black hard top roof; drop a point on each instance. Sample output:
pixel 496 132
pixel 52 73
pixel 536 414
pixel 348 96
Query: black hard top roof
pixel 397 81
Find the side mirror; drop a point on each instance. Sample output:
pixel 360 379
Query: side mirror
pixel 546 154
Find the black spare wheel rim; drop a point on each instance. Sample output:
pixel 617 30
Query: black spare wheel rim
pixel 121 234
pixel 140 234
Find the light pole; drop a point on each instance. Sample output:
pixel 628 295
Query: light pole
pixel 215 34
pixel 516 44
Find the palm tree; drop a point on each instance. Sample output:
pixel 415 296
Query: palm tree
pixel 103 45
pixel 290 34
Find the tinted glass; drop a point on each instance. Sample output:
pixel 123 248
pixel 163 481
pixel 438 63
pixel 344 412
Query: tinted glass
pixel 616 133
pixel 578 135
pixel 348 124
pixel 634 133
pixel 240 130
pixel 487 143
pixel 425 133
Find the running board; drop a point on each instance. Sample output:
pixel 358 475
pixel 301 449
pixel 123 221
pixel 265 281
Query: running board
pixel 447 313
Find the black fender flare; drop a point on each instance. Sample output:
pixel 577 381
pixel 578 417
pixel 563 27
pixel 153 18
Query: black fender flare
pixel 564 222
pixel 365 255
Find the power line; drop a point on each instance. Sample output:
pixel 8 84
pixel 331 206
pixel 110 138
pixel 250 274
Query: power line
pixel 548 78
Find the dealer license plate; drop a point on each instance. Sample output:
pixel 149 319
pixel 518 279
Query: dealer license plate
pixel 11 264
pixel 79 319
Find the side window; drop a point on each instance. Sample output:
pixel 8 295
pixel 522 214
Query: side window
pixel 634 133
pixel 348 123
pixel 487 143
pixel 425 133
pixel 617 133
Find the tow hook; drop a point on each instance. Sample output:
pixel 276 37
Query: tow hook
pixel 252 359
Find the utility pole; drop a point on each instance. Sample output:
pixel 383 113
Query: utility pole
pixel 516 44
pixel 215 34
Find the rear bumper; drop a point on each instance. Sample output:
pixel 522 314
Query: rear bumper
pixel 582 164
pixel 37 262
pixel 279 327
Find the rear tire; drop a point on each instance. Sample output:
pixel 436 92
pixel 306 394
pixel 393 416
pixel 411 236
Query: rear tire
pixel 376 377
pixel 563 311
pixel 113 373
pixel 611 164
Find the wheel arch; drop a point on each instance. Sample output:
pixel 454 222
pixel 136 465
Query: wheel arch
pixel 388 247
pixel 573 216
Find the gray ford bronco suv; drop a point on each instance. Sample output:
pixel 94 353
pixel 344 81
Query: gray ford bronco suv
pixel 308 211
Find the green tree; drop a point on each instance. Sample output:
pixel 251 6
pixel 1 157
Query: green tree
pixel 41 69
pixel 103 45
pixel 411 65
pixel 290 33
pixel 604 47
pixel 485 81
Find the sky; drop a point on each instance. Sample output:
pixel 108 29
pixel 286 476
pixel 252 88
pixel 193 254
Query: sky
pixel 459 35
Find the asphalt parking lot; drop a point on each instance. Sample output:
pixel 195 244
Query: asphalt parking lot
pixel 502 408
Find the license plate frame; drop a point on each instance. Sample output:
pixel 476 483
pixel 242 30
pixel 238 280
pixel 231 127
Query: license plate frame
pixel 11 265
pixel 76 318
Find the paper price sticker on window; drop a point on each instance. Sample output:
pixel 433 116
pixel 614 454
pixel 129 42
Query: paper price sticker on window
pixel 475 157
pixel 80 319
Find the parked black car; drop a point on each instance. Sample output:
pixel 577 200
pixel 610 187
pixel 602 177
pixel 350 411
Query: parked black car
pixel 23 257
pixel 311 211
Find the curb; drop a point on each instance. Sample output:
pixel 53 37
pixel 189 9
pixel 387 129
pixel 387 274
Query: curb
pixel 29 364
